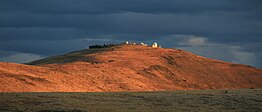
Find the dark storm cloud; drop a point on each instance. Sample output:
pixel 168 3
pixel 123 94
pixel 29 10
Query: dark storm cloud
pixel 25 33
pixel 222 26
pixel 53 47
pixel 114 6
pixel 220 20
pixel 48 27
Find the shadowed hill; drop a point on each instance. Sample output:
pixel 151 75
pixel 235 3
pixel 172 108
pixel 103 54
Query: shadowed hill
pixel 71 57
pixel 127 68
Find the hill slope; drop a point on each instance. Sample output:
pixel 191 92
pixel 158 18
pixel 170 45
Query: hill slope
pixel 126 68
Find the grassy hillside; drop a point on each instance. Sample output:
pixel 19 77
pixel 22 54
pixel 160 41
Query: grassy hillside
pixel 197 100
pixel 126 68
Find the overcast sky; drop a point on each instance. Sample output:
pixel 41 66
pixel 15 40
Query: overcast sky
pixel 229 30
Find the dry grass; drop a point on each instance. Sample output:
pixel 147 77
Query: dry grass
pixel 126 68
pixel 168 101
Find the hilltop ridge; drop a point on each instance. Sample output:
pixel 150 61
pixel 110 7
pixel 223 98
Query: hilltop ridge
pixel 126 67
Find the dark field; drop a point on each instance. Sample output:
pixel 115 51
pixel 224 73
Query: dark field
pixel 200 100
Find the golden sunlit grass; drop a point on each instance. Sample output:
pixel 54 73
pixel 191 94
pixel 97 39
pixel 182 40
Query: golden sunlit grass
pixel 126 68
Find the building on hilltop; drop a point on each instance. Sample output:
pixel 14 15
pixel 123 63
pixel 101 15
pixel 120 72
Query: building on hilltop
pixel 143 44
pixel 154 45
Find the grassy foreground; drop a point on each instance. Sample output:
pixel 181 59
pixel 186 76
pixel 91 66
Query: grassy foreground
pixel 168 101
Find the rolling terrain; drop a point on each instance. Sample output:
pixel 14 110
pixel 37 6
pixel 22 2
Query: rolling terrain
pixel 126 68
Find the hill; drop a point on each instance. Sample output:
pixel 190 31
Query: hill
pixel 126 68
